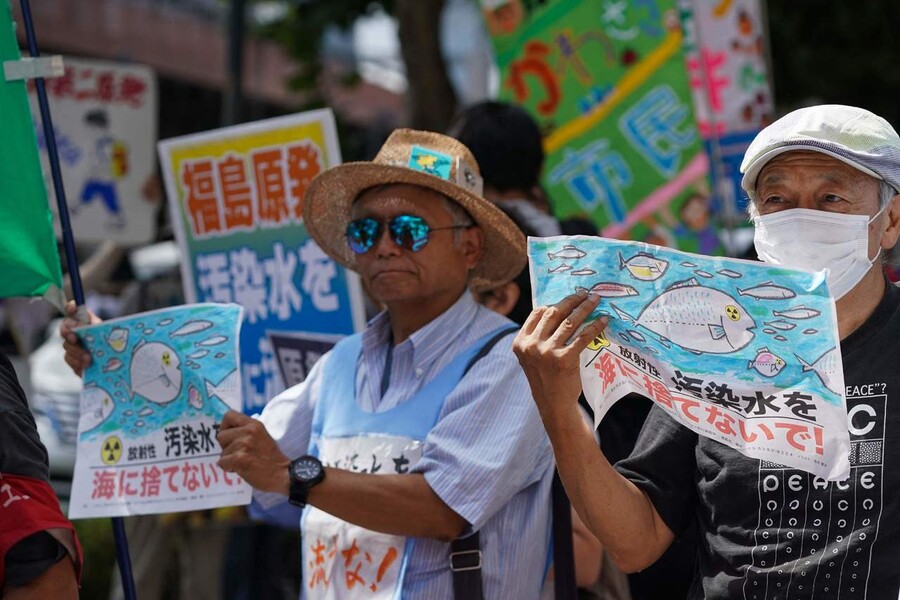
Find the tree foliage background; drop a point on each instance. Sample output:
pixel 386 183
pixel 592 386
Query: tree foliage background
pixel 837 52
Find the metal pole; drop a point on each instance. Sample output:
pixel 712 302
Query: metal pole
pixel 233 96
pixel 74 274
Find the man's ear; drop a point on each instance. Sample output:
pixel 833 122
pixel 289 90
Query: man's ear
pixel 501 299
pixel 471 245
pixel 892 232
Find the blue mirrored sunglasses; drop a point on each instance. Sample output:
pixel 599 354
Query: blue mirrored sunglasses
pixel 407 231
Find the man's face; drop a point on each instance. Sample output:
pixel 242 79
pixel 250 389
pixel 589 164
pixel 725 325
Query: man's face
pixel 817 181
pixel 436 274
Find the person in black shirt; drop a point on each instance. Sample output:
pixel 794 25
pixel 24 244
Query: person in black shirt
pixel 823 187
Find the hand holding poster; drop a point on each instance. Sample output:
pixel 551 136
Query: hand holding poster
pixel 154 394
pixel 742 352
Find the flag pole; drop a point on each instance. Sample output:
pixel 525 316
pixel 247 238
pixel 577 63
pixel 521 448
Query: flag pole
pixel 118 525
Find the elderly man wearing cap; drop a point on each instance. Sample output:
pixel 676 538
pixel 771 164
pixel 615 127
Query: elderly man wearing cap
pixel 823 193
pixel 415 446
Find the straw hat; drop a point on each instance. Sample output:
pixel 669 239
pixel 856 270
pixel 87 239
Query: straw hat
pixel 429 160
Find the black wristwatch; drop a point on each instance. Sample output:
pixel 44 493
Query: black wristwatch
pixel 305 472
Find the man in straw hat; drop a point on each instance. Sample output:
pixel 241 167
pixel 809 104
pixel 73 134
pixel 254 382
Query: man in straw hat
pixel 823 193
pixel 415 446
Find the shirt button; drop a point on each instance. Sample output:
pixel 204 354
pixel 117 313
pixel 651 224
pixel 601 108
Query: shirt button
pixel 419 372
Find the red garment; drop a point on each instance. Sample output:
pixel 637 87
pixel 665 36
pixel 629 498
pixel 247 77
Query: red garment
pixel 27 506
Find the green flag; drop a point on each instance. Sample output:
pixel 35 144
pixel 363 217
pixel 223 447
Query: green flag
pixel 29 262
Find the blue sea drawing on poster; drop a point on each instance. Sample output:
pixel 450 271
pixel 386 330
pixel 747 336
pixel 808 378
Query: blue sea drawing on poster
pixel 739 320
pixel 158 368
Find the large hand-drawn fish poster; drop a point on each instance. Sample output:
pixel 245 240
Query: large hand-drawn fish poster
pixel 742 352
pixel 154 394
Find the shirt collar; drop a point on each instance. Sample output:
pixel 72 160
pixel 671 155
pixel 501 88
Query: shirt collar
pixel 434 337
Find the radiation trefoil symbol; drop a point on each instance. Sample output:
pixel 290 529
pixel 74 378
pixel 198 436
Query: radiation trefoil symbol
pixel 111 451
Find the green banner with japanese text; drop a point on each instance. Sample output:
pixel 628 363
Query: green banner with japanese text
pixel 28 257
pixel 608 84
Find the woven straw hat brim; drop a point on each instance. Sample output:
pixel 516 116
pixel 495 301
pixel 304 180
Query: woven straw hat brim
pixel 330 196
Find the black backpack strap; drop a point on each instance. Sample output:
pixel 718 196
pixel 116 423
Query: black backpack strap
pixel 489 345
pixel 465 553
pixel 465 564
pixel 564 585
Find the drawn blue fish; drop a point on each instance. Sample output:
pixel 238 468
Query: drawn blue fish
pixel 780 324
pixel 560 269
pixel 729 273
pixel 568 252
pixel 797 312
pixel 768 291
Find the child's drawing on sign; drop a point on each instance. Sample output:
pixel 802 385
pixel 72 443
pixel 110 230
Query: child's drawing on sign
pixel 716 342
pixel 154 395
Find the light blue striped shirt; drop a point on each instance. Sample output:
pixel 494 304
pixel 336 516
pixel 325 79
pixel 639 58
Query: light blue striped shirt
pixel 487 457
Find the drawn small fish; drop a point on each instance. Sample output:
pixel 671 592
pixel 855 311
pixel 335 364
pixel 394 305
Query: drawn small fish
pixel 219 354
pixel 810 331
pixel 118 338
pixel 610 289
pixel 703 274
pixel 689 265
pixel 768 291
pixel 114 364
pixel 766 364
pixel 192 326
pixel 145 412
pixel 139 423
pixel 636 336
pixel 797 312
pixel 780 324
pixel 780 338
pixel 651 350
pixel 165 322
pixel 194 397
pixel 624 337
pixel 768 330
pixel 198 354
pixel 644 266
pixel 729 273
pixel 128 413
pixel 583 272
pixel 148 331
pixel 560 269
pixel 568 252
pixel 214 340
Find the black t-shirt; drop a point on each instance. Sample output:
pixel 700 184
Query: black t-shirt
pixel 21 450
pixel 768 531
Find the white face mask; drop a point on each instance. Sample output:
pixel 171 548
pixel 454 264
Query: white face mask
pixel 815 240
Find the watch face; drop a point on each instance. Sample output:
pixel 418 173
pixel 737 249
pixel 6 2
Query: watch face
pixel 307 469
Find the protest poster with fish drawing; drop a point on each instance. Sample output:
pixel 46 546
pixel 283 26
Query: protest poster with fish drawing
pixel 154 394
pixel 742 352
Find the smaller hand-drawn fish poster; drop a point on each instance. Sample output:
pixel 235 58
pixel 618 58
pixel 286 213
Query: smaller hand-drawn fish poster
pixel 741 352
pixel 154 395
